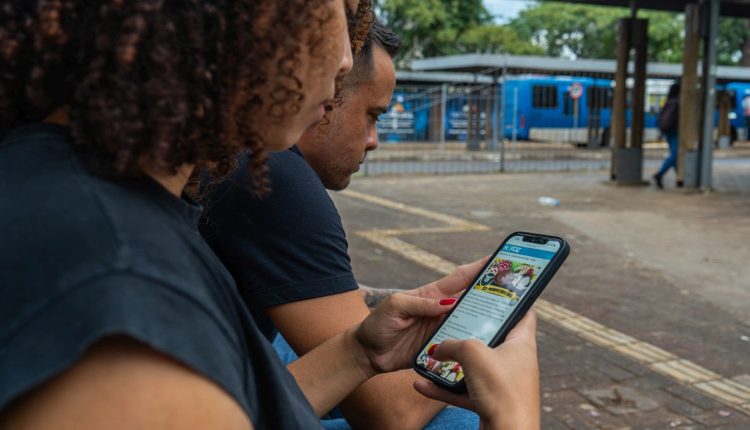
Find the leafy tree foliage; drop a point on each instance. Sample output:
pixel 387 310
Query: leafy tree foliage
pixel 576 30
pixel 431 28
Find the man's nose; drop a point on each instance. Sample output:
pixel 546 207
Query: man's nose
pixel 372 139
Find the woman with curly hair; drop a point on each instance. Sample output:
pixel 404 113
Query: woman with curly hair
pixel 115 313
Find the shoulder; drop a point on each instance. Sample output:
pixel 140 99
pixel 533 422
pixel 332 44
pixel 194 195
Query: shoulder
pixel 55 226
pixel 287 246
pixel 297 203
pixel 120 383
pixel 78 248
pixel 293 180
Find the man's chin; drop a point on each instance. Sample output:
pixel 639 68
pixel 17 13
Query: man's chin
pixel 337 184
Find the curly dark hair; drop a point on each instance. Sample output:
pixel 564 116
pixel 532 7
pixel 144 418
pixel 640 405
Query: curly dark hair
pixel 157 83
pixel 359 24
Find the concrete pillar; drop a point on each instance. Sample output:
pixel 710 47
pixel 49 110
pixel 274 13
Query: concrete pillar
pixel 618 126
pixel 627 160
pixel 639 33
pixel 709 88
pixel 689 125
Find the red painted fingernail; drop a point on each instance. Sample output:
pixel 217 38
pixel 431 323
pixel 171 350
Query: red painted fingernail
pixel 447 301
pixel 432 349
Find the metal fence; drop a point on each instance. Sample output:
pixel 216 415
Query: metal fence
pixel 543 124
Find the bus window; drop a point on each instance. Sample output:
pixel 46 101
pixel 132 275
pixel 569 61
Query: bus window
pixel 599 98
pixel 544 97
pixel 654 103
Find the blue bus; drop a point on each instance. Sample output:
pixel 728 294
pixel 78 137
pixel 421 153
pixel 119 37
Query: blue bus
pixel 535 107
pixel 739 117
pixel 542 108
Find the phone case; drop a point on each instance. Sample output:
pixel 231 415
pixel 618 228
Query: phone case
pixel 518 313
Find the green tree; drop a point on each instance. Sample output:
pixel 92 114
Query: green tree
pixel 584 31
pixel 496 39
pixel 431 27
pixel 443 27
pixel 734 41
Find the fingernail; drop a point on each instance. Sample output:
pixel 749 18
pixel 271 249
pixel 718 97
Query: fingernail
pixel 432 349
pixel 447 302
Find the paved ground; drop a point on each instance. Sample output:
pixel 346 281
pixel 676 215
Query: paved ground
pixel 646 326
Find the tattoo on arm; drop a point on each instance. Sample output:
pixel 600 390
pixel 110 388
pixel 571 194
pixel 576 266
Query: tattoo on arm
pixel 375 296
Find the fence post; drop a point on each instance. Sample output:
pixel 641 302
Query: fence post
pixel 495 111
pixel 514 131
pixel 501 126
pixel 443 104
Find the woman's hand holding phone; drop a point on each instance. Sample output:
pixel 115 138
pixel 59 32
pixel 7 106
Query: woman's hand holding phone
pixel 396 329
pixel 502 383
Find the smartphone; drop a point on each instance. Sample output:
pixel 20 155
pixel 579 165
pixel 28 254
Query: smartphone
pixel 497 299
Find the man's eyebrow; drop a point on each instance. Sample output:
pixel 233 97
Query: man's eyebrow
pixel 379 110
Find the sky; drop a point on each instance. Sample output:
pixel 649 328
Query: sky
pixel 503 10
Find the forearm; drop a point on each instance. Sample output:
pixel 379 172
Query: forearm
pixel 530 420
pixel 330 372
pixel 389 401
pixel 385 401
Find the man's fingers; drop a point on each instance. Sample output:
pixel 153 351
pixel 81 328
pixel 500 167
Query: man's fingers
pixel 432 391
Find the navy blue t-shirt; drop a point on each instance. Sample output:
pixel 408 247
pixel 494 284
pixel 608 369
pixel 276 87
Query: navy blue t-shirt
pixel 82 257
pixel 285 247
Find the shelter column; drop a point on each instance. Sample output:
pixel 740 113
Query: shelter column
pixel 709 98
pixel 639 31
pixel 689 103
pixel 619 124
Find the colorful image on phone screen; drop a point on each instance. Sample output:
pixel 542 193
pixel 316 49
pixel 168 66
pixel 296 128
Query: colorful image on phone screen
pixel 493 297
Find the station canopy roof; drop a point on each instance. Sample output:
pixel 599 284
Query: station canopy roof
pixel 736 8
pixel 488 64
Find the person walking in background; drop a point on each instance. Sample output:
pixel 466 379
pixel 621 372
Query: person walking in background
pixel 746 114
pixel 668 125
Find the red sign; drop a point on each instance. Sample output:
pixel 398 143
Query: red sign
pixel 575 90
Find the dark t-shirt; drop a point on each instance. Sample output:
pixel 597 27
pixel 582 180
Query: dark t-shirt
pixel 285 247
pixel 82 257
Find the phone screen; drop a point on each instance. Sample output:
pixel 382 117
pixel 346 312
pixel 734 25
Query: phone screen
pixel 489 303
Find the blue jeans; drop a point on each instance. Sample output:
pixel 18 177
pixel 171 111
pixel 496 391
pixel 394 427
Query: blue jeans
pixel 671 160
pixel 449 418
